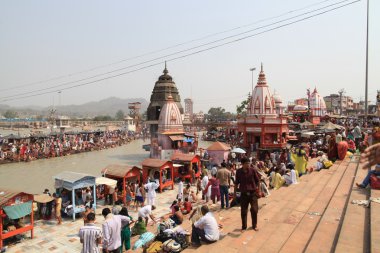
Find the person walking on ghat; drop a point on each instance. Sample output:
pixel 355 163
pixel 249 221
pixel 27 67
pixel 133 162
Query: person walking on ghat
pixel 247 181
pixel 58 207
pixel 151 187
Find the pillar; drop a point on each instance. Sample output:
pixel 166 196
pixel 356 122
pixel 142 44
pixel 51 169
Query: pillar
pixel 73 201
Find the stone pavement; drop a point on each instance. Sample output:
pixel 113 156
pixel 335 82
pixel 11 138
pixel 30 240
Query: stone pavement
pixel 48 237
pixel 292 219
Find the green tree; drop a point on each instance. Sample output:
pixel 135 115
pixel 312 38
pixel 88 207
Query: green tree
pixel 103 118
pixel 242 108
pixel 119 115
pixel 10 114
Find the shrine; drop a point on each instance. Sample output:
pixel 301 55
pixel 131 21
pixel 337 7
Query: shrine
pixel 164 87
pixel 264 127
pixel 170 134
pixel 317 107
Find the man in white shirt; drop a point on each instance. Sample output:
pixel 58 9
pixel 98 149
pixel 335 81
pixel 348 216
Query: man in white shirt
pixel 357 132
pixel 112 231
pixel 205 229
pixel 180 189
pixel 151 187
pixel 90 235
pixel 146 212
pixel 204 183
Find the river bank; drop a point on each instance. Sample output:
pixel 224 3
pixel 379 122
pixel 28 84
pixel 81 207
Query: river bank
pixel 34 177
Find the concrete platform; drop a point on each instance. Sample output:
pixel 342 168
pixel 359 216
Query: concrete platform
pixel 315 215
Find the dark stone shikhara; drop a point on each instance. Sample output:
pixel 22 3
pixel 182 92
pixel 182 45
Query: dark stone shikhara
pixel 164 87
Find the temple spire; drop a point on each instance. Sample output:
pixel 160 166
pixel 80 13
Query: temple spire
pixel 165 70
pixel 262 80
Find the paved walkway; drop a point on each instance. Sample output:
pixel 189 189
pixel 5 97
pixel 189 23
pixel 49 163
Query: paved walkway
pixel 48 237
pixel 288 219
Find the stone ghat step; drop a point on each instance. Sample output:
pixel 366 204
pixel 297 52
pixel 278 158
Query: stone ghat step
pixel 329 224
pixel 279 209
pixel 284 227
pixel 303 230
pixel 284 208
pixel 354 233
pixel 375 222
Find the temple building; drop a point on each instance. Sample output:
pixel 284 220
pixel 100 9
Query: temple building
pixel 170 134
pixel 265 127
pixel 279 106
pixel 312 108
pixel 163 87
pixel 317 107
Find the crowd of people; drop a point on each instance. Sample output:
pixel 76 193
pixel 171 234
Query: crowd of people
pixel 226 184
pixel 237 181
pixel 17 149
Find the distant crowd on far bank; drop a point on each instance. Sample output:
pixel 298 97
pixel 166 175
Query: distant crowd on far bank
pixel 24 149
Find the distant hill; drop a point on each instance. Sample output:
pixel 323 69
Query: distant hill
pixel 108 106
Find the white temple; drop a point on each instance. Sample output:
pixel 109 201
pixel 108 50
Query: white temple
pixel 170 131
pixel 265 126
pixel 317 104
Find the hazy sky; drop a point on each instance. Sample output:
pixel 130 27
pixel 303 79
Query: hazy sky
pixel 41 40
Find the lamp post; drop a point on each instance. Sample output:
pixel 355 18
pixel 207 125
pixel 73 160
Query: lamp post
pixel 366 70
pixel 252 69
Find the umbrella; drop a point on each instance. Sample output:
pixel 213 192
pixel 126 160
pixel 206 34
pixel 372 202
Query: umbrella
pixel 238 150
pixel 106 181
pixel 331 126
pixel 307 134
pixel 306 124
pixel 43 198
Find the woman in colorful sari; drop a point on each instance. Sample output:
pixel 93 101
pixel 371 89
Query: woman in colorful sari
pixel 300 160
pixel 351 145
pixel 215 192
pixel 277 180
pixel 291 176
pixel 125 231
pixel 342 149
pixel 332 152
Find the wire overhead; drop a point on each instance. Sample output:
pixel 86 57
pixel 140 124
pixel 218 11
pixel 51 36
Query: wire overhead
pixel 153 62
pixel 163 49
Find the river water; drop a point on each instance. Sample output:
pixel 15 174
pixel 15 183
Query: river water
pixel 35 176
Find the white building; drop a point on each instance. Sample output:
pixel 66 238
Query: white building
pixel 129 124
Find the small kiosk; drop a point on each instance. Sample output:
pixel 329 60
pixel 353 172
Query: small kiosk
pixel 161 170
pixel 218 152
pixel 122 173
pixel 72 181
pixel 185 165
pixel 15 205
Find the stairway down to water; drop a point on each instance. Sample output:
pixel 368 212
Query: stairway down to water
pixel 315 215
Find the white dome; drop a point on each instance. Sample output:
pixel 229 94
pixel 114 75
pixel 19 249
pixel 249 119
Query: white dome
pixel 277 98
pixel 262 101
pixel 317 104
pixel 300 108
pixel 170 119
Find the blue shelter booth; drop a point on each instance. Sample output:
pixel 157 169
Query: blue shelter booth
pixel 72 181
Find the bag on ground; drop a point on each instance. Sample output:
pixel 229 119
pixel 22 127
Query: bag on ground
pixel 155 247
pixel 375 182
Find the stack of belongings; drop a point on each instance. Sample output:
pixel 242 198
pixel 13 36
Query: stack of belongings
pixel 169 238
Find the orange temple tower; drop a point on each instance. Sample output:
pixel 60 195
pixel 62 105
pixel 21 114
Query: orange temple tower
pixel 264 127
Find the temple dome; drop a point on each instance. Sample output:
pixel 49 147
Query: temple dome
pixel 170 120
pixel 277 98
pixel 300 108
pixel 165 77
pixel 262 101
pixel 317 104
